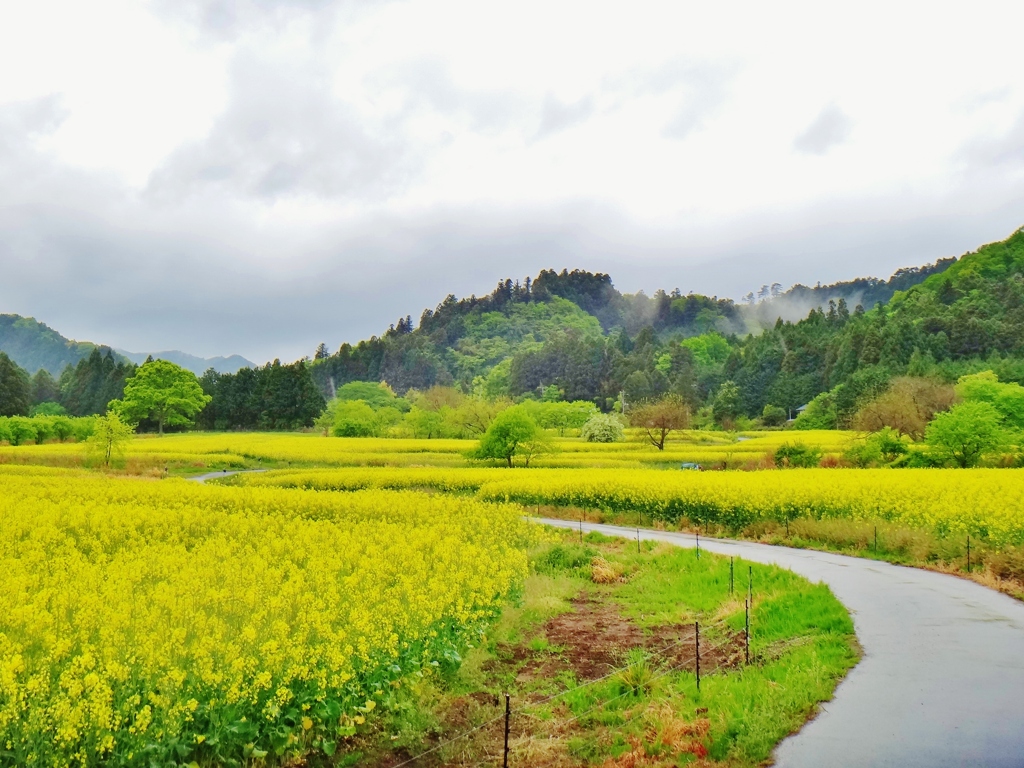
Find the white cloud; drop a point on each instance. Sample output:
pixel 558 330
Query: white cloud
pixel 254 176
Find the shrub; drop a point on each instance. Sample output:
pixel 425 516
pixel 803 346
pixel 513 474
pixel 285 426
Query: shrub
pixel 883 447
pixel 22 430
pixel 797 455
pixel 354 418
pixel 48 409
pixel 602 428
pixel 773 416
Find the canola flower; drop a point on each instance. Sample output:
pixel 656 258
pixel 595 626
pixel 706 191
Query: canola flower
pixel 987 503
pixel 148 622
pixel 238 450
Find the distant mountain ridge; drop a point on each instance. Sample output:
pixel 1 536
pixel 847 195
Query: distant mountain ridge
pixel 34 346
pixel 198 365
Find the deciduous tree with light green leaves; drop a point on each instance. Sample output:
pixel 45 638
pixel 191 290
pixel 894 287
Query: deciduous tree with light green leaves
pixel 1006 397
pixel 109 439
pixel 966 432
pixel 162 391
pixel 512 433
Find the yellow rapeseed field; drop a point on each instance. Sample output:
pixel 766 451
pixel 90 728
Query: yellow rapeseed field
pixel 987 503
pixel 251 449
pixel 145 623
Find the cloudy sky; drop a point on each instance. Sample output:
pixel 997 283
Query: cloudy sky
pixel 257 176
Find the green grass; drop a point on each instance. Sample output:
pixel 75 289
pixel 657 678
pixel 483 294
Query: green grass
pixel 802 643
pixel 1000 568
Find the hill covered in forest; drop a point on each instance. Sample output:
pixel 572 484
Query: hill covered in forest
pixel 573 335
pixel 780 349
pixel 34 345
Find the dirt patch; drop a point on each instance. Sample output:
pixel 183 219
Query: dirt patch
pixel 592 641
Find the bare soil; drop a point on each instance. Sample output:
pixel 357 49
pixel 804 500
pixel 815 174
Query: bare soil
pixel 591 641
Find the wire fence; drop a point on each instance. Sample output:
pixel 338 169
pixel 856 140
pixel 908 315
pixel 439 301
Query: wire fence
pixel 549 726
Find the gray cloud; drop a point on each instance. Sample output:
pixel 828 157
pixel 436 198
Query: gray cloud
pixel 427 83
pixel 556 116
pixel 97 262
pixel 21 121
pixel 701 87
pixel 704 89
pixel 285 134
pixel 828 130
pixel 1005 152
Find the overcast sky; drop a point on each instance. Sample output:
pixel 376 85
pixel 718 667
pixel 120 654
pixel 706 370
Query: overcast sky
pixel 257 176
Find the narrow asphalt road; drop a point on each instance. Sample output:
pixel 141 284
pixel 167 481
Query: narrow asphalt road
pixel 222 473
pixel 942 678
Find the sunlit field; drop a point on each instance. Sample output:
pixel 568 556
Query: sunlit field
pixel 141 622
pixel 314 605
pixel 985 503
pixel 167 622
pixel 197 451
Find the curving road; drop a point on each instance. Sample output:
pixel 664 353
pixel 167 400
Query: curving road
pixel 942 678
pixel 222 473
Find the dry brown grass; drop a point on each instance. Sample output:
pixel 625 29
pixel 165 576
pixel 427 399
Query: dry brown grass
pixel 603 572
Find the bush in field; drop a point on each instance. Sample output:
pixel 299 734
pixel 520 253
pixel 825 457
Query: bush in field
pixel 883 447
pixel 512 433
pixel 22 430
pixel 966 432
pixel 354 418
pixel 797 455
pixel 773 416
pixel 602 428
pixel 48 409
pixel 374 393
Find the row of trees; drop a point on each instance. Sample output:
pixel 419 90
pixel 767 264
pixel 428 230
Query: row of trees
pixel 275 396
pixel 959 425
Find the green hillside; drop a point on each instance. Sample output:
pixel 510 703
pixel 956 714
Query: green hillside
pixel 526 336
pixel 573 335
pixel 33 345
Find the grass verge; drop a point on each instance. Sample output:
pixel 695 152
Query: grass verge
pixel 1001 569
pixel 599 660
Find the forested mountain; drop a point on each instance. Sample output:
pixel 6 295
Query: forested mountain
pixel 33 345
pixel 770 302
pixel 575 331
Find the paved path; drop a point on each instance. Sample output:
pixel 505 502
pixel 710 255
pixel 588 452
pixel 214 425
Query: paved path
pixel 942 678
pixel 222 473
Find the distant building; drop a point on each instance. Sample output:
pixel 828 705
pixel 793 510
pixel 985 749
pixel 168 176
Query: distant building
pixel 793 414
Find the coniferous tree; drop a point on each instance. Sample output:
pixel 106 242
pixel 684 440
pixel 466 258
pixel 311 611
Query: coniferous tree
pixel 15 388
